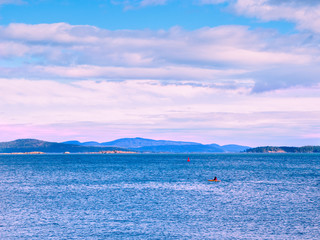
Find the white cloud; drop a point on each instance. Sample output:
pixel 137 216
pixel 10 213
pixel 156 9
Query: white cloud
pixel 149 108
pixel 158 73
pixel 13 49
pixel 306 14
pixel 212 1
pixel 2 2
pixel 152 2
pixel 60 33
pixel 205 55
pixel 134 4
pixel 221 83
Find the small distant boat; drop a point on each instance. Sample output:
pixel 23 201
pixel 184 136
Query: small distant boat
pixel 214 180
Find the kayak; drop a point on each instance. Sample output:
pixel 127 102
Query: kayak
pixel 212 180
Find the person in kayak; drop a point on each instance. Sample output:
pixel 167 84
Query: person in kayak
pixel 215 179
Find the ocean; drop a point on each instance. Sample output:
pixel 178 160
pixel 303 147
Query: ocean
pixel 160 196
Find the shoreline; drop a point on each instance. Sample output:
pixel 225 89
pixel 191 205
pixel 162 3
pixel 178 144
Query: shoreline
pixel 155 153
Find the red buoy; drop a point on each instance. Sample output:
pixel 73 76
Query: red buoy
pixel 188 159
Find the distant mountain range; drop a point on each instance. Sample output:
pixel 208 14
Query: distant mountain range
pixel 121 145
pixel 270 149
pixel 140 145
pixel 132 143
pixel 34 145
pixel 158 146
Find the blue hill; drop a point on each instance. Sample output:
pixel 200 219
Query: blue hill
pixel 143 142
pixel 34 145
pixel 156 146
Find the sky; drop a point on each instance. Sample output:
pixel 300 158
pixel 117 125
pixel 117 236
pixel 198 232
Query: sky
pixel 211 71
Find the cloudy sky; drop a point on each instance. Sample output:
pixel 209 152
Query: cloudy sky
pixel 212 71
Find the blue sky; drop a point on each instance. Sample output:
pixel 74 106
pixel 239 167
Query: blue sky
pixel 115 15
pixel 212 71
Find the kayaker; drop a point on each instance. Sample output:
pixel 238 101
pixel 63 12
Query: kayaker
pixel 215 179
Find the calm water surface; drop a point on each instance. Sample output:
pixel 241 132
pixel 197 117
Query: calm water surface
pixel 271 196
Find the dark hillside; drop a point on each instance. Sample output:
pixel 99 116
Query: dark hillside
pixel 34 145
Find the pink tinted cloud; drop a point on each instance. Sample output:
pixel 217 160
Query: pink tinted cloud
pixel 207 54
pixel 102 110
pixel 10 132
pixel 306 16
pixel 87 44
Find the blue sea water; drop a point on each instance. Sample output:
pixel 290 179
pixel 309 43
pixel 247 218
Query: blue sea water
pixel 263 196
